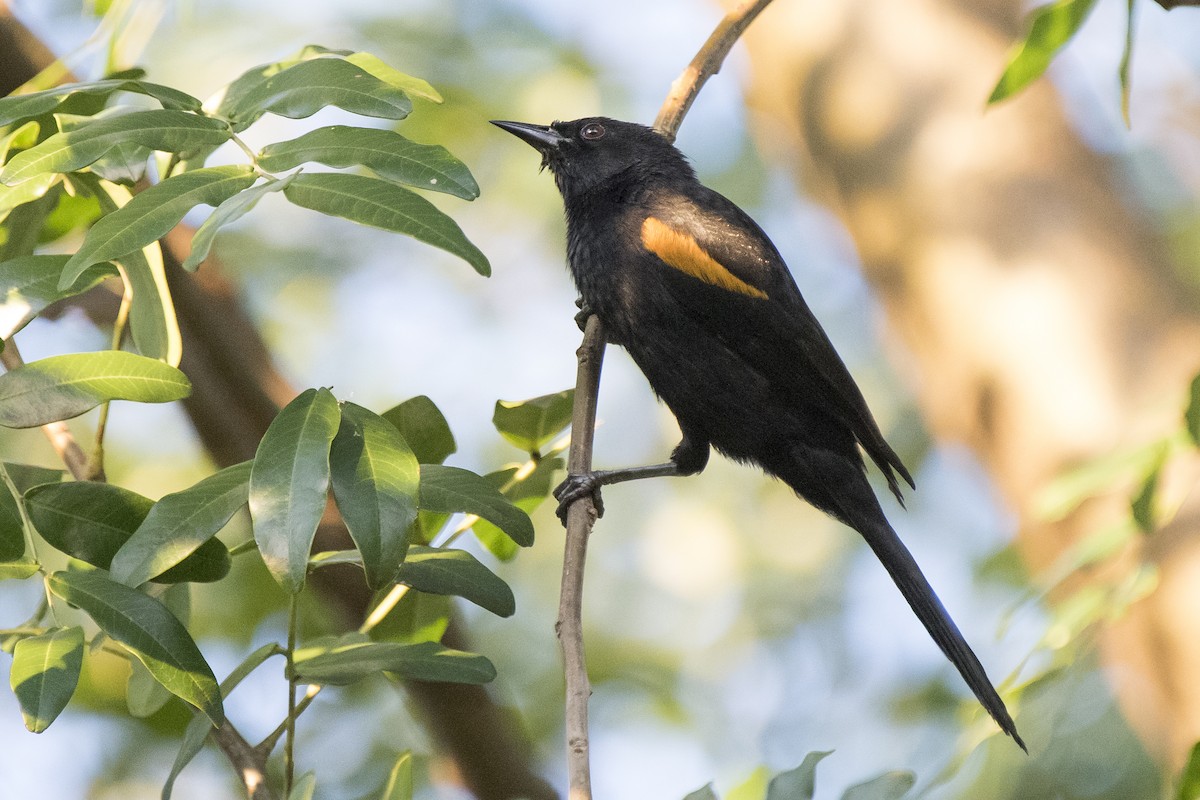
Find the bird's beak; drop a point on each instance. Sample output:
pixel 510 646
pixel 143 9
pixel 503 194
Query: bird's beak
pixel 542 138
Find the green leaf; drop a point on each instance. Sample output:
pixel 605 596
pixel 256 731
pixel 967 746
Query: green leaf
pixel 26 226
pixel 26 192
pixel 703 793
pixel 31 284
pixel 151 214
pixel 1189 778
pixel 1144 505
pixel 1191 416
pixel 39 103
pixel 375 477
pixel 67 151
pixel 1051 27
pixel 383 204
pixel 180 524
pixel 21 137
pixel 45 671
pixel 424 661
pixel 799 783
pixel 400 780
pixel 12 523
pixel 526 490
pixel 231 210
pixel 456 572
pixel 61 387
pixel 289 484
pixel 425 429
pixel 303 89
pixel 17 570
pixel 888 786
pixel 93 521
pixel 1126 62
pixel 304 787
pixel 450 489
pixel 144 696
pixel 150 631
pixel 531 424
pixel 386 153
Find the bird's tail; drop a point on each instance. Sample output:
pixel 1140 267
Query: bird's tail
pixel 840 489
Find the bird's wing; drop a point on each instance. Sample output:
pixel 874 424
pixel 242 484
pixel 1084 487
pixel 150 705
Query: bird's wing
pixel 716 242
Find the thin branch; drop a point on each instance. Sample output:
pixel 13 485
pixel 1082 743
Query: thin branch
pixel 581 516
pixel 58 433
pixel 249 764
pixel 707 63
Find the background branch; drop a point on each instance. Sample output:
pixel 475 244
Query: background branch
pixel 581 516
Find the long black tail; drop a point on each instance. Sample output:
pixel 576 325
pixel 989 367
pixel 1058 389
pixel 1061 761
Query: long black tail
pixel 838 487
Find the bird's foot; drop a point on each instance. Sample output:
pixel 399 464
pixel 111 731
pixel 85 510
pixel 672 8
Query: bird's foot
pixel 575 487
pixel 585 313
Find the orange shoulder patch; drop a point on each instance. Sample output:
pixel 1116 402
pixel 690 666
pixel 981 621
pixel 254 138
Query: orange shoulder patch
pixel 682 252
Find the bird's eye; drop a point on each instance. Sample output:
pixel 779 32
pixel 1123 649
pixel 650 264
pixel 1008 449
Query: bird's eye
pixel 593 130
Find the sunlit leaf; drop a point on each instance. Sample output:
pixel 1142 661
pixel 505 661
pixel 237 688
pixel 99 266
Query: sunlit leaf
pixel 144 696
pixel 31 283
pixel 151 214
pixel 426 661
pixel 526 490
pixel 1189 778
pixel 289 484
pixel 25 192
pixel 179 524
pixel 799 783
pixel 456 572
pixel 450 489
pixel 67 151
pixel 45 671
pixel 38 103
pixel 532 424
pixel 1051 27
pixel 383 204
pixel 375 477
pixel 425 429
pixel 386 153
pixel 61 387
pixel 305 88
pixel 150 631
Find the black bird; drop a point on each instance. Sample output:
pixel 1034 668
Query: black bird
pixel 698 295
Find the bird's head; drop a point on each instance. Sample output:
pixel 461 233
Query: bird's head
pixel 589 152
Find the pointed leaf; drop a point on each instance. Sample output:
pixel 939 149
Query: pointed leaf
pixel 67 151
pixel 151 214
pixel 425 429
pixel 303 89
pixel 1191 416
pixel 12 523
pixel 425 661
pixel 382 204
pixel 1051 27
pixel 375 478
pixel 532 424
pixel 414 87
pixel 45 671
pixel 38 103
pixel 92 521
pixel 26 192
pixel 524 489
pixel 61 387
pixel 400 780
pixel 181 523
pixel 231 210
pixel 386 153
pixel 304 787
pixel 144 696
pixel 150 631
pixel 888 786
pixel 1189 778
pixel 799 783
pixel 450 489
pixel 289 484
pixel 456 572
pixel 703 793
pixel 31 283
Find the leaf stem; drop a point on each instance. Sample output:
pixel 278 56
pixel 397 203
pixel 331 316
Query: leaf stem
pixel 96 464
pixel 289 742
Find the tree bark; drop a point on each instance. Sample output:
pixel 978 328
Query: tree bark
pixel 1037 310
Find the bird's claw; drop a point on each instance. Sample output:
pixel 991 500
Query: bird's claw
pixel 585 313
pixel 575 487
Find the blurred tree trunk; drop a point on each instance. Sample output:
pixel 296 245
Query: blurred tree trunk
pixel 1034 307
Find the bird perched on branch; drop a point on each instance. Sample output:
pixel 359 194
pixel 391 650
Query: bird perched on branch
pixel 698 295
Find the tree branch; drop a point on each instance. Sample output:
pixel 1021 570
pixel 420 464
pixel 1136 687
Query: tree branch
pixel 581 516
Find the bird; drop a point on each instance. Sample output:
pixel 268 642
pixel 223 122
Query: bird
pixel 700 298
